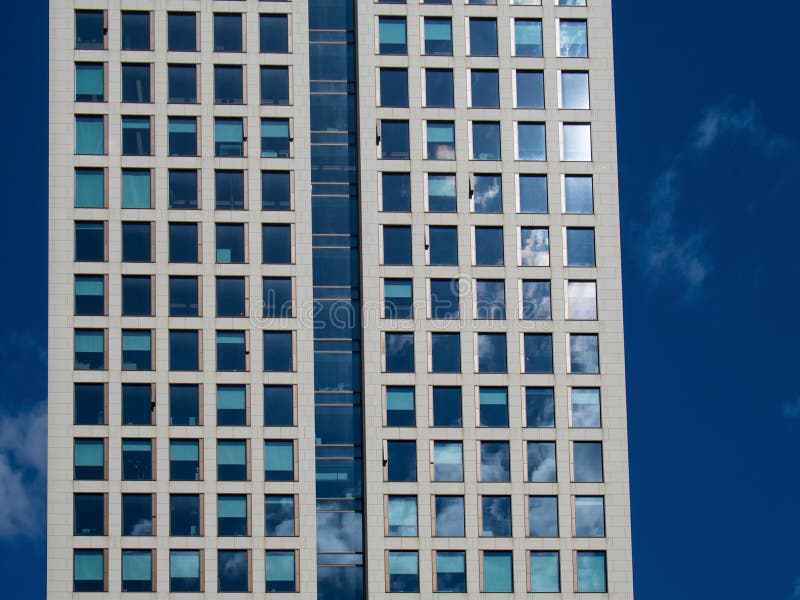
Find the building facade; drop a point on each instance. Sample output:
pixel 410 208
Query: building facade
pixel 335 300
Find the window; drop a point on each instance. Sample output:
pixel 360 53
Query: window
pixel 183 189
pixel 90 241
pixel 136 83
pixel 136 296
pixel 137 460
pixel 183 296
pixel 227 32
pixel 138 403
pixel 184 404
pixel 90 82
pixel 544 572
pixel 580 247
pixel 229 190
pixel 184 460
pixel 233 568
pixel 277 297
pixel 394 87
pixel 527 37
pixel 576 143
pixel 487 194
pixel 445 353
pixel 231 297
pixel 441 140
pixel 448 461
pixel 228 84
pixel 396 192
pixel 542 462
pixel 88 574
pixel 530 89
pixel 278 406
pixel 89 514
pixel 497 573
pixel 543 516
pixel 495 461
pixel 137 350
pixel 90 32
pixel 587 458
pixel 441 191
pixel 182 133
pixel 231 405
pixel 540 407
pixel 276 190
pixel 136 136
pixel 451 571
pixel 536 300
pixel 482 37
pixel 496 516
pixel 446 406
pixel 232 515
pixel 274 86
pixel 90 135
pixel 590 518
pixel 228 137
pixel 90 298
pixel 90 400
pixel 274 30
pixel 279 460
pixel 184 351
pixel 574 89
pixel 278 351
pixel 571 2
pixel 392 35
pixel 572 38
pixel 184 570
pixel 393 139
pixel 493 404
pixel 402 516
pixel 276 244
pixel 485 140
pixel 538 353
pixel 485 88
pixel 399 350
pixel 585 407
pixel 531 141
pixel 439 88
pixel 230 243
pixel 444 298
pixel 90 459
pixel 90 188
pixel 489 246
pixel 275 139
pixel 398 299
pixel 492 353
pixel 403 571
pixel 448 516
pixel 182 84
pixel 591 571
pixel 400 407
pixel 136 242
pixel 578 195
pixel 136 188
pixel 181 32
pixel 135 30
pixel 401 461
pixel 438 36
pixel 582 300
pixel 534 247
pixel 280 571
pixel 90 350
pixel 584 355
pixel 532 194
pixel 280 518
pixel 490 299
pixel 137 514
pixel 396 245
pixel 184 515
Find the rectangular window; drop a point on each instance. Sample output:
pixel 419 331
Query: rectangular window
pixel 438 36
pixel 399 352
pixel 574 88
pixel 540 407
pixel 488 246
pixel 392 35
pixel 232 515
pixel 441 191
pixel 276 190
pixel 531 141
pixel 138 404
pixel 90 298
pixel 90 346
pixel 393 87
pixel 274 86
pixel 482 36
pixel 136 83
pixel 90 401
pixel 276 244
pixel 590 520
pixel 396 192
pixel 591 567
pixel 444 298
pixel 233 571
pixel 135 30
pixel 538 353
pixel 544 572
pixel 183 296
pixel 534 247
pixel 448 461
pixel 543 516
pixel 280 516
pixel 582 300
pixel 136 296
pixel 184 351
pixel 484 87
pixel 542 462
pixel 485 140
pixel 496 516
pixel 576 142
pixel 230 243
pixel 90 241
pixel 278 406
pixel 231 296
pixel 584 353
pixel 578 194
pixel 228 84
pixel 572 38
pixel 279 460
pixel 278 351
pixel 492 353
pixel 403 571
pixel 441 140
pixel 448 516
pixel 182 136
pixel 585 407
pixel 184 570
pixel 181 32
pixel 280 570
pixel 137 514
pixel 231 405
pixel 439 88
pixel 275 138
pixel 587 462
pixel 490 299
pixel 580 247
pixel 530 89
pixel 90 459
pixel 493 406
pixel 396 245
pixel 401 460
pixel 401 516
pixel 274 33
pixel 89 570
pixel 451 571
pixel 398 298
pixel 90 135
pixel 536 300
pixel 90 32
pixel 136 136
pixel 182 84
pixel 90 82
pixel 527 37
pixel 137 350
pixel 495 461
pixel 393 140
pixel 184 460
pixel 90 188
pixel 183 189
pixel 445 352
pixel 184 404
pixel 277 297
pixel 137 460
pixel 446 406
pixel 532 194
pixel 228 137
pixel 89 514
pixel 227 32
pixel 229 187
pixel 136 188
pixel 137 242
pixel 184 515
pixel 400 407
pixel 497 575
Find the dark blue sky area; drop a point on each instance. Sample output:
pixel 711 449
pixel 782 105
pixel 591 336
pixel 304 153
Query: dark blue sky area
pixel 709 192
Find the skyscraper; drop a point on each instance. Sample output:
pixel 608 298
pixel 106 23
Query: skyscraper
pixel 335 300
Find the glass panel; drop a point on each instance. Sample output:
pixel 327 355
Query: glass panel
pixel 584 353
pixel 482 37
pixel 497 576
pixel 496 516
pixel 439 88
pixel 485 141
pixel 585 407
pixel 89 135
pixel 279 516
pixel 542 462
pixel 540 407
pixel 495 461
pixel 181 32
pixel 590 516
pixel 89 188
pixel 543 516
pixel 447 458
pixel 578 195
pixel 489 246
pixel 575 89
pixel 538 348
pixel 485 87
pixel 490 299
pixel 588 461
pixel 449 513
pixel 231 453
pixel 592 572
pixel 89 82
pixel 545 572
pixel 451 575
pixel 492 353
pixel 402 515
pixel 280 570
pixel 531 141
pixel 446 407
pixel 577 143
pixel 572 38
pixel 396 192
pixel 528 37
pixel 535 250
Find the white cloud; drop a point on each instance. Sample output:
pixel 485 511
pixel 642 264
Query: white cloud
pixel 719 121
pixel 23 467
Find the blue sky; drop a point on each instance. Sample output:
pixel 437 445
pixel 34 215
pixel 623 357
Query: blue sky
pixel 709 179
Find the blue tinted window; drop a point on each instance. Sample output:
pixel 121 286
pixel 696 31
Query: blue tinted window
pixel 439 88
pixel 592 572
pixel 229 188
pixel 399 348
pixel 277 297
pixel 496 516
pixel 231 405
pixel 232 570
pixel 184 515
pixel 89 459
pixel 89 401
pixel 578 195
pixel 400 407
pixel 531 141
pixel 90 241
pixel 542 515
pixel 136 137
pixel 136 296
pixel 495 461
pixel 402 516
pixel 575 89
pixel 331 580
pixel 276 190
pixel 228 137
pixel 530 89
pixel 401 461
pixel 275 86
pixel 445 353
pixel 90 188
pixel 396 192
pixel 230 243
pixel 278 352
pixel 137 514
pixel 184 570
pixel 585 404
pixel 487 194
pixel 182 189
pixel 396 245
pixel 527 37
pixel 136 242
pixel 580 247
pixel 533 194
pixel 438 36
pixel 135 83
pixel 443 245
pixel 441 140
pixel 90 137
pixel 183 297
pixel 536 300
pixel 137 404
pixel 182 84
pixel 278 460
pixel 590 516
pixel 394 87
pixel 584 353
pixel 392 35
pixel 89 349
pixel 449 516
pixel 89 82
pixel 489 246
pixel 587 459
pixel 183 351
pixel 446 406
pixel 444 298
pixel 394 139
pixel 538 353
pixel 448 461
pixel 542 462
pixel 441 192
pixel 232 460
pixel 573 39
pixel 184 461
pixel 398 298
pixel 137 460
pixel 227 32
pixel 279 516
pixel 275 140
pixel 88 571
pixel 280 571
pixel 493 405
pixel 274 31
pixel 497 572
pixel 136 187
pixel 544 570
pixel 278 406
pixel 403 571
pixel 90 295
pixel 89 515
pixel 276 244
pixel 540 407
pixel 89 30
pixel 451 571
pixel 230 297
pixel 181 32
pixel 231 351
pixel 485 86
pixel 135 30
pixel 137 350
pixel 485 140
pixel 490 299
pixel 184 404
pixel 534 247
pixel 482 37
pixel 182 136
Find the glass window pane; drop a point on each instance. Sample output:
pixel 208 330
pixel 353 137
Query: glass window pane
pixel 403 571
pixel 530 89
pixel 400 407
pixel 136 136
pixel 447 461
pixel 90 188
pixel 542 462
pixel 137 514
pixel 88 570
pixel 584 353
pixel 90 241
pixel 279 516
pixel 392 35
pixel 485 87
pixel 578 194
pixel 394 87
pixel 182 84
pixel 543 516
pixel 490 299
pixel 275 142
pixel 482 37
pixel 181 32
pixel 531 141
pixel 489 246
pixel 89 401
pixel 401 460
pixel 439 88
pixel 136 188
pixel 280 571
pixel 136 83
pixel 590 516
pixel 90 135
pixel 227 32
pixel 492 353
pixel 396 192
pixel 538 349
pixel 396 245
pixel 233 570
pixel 441 144
pixel 585 407
pixel 535 246
pixel 394 139
pixel 183 297
pixel 575 89
pixel 588 461
pixel 451 571
pixel 89 295
pixel 580 247
pixel 487 194
pixel 446 406
pixel 444 299
pixel 591 572
pixel 137 404
pixel 275 86
pixel 445 353
pixel 582 300
pixel 493 406
pixel 184 570
pixel 527 37
pixel 89 514
pixel 533 194
pixel 135 30
pixel 496 516
pixel 438 36
pixel 485 141
pixel 274 30
pixel 577 142
pixel 497 574
pixel 184 515
pixel 449 516
pixel 89 82
pixel 89 31
pixel 231 405
pixel 495 461
pixel 278 406
pixel 540 407
pixel 278 351
pixel 545 572
pixel 183 404
pixel 536 300
pixel 572 39
pixel 183 351
pixel 402 516
pixel 278 460
pixel 443 242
